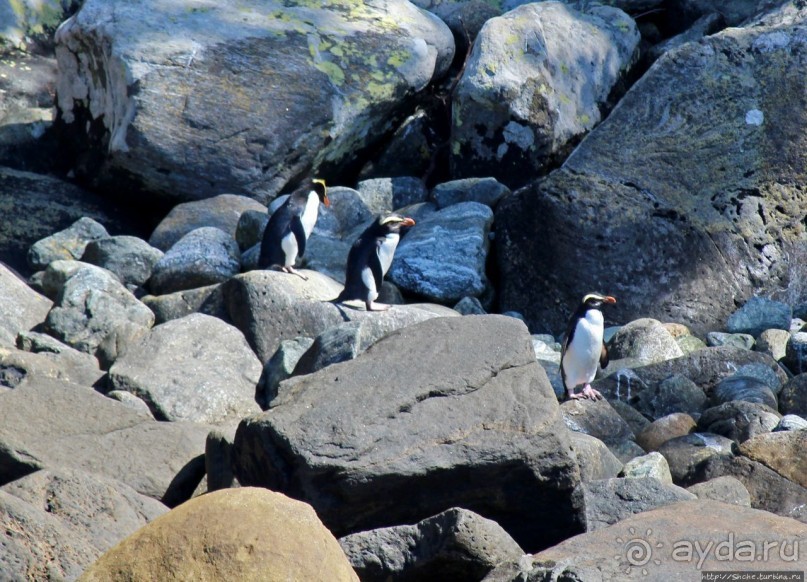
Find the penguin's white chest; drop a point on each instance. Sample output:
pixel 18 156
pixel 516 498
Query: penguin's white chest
pixel 386 251
pixel 582 355
pixel 310 213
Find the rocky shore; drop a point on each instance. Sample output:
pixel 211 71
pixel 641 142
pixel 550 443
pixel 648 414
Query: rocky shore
pixel 169 411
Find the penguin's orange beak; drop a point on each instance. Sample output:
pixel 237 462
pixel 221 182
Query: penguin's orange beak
pixel 609 300
pixel 326 201
pixel 408 222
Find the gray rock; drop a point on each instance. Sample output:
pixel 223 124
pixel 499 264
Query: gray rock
pixel 456 544
pixel 92 305
pixel 546 351
pixel 732 11
pixel 529 91
pixel 21 307
pixel 737 340
pixel 269 306
pixel 326 255
pixel 131 402
pixel 487 191
pixel 196 368
pixel 593 457
pixel 68 244
pixel 768 489
pixel 469 306
pixel 646 340
pixel 687 455
pixel 773 342
pixel 627 173
pixel 131 259
pixel 690 343
pixel 704 26
pixel 608 501
pixel 56 361
pixel 796 353
pixel 724 489
pixel 791 422
pixel 745 388
pixel 387 194
pixel 759 314
pixel 349 210
pixel 280 367
pixel 635 419
pixel 476 393
pixel 53 278
pixel 793 397
pixel 48 424
pixel 443 257
pixel 706 368
pixel 626 451
pixel 58 522
pixel 797 324
pixel 739 420
pixel 208 300
pixel 249 231
pixel 762 373
pixel 345 71
pixel 595 418
pixel 613 553
pixel 204 256
pixel 674 394
pixel 223 211
pixel 650 465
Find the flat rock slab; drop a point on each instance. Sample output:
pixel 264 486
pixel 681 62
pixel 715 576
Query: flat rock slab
pixel 660 545
pixel 50 424
pixel 56 523
pixel 234 534
pixel 270 306
pixel 448 412
pixel 197 368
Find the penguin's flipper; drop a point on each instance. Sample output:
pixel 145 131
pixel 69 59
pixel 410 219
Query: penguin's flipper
pixel 299 233
pixel 604 357
pixel 374 263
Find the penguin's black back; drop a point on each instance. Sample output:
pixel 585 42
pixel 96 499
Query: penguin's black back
pixel 279 225
pixel 363 251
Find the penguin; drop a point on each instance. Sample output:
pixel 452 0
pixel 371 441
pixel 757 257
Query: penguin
pixel 583 348
pixel 290 226
pixel 370 258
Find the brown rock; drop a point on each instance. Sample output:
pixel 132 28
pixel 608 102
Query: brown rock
pixel 245 534
pixel 668 427
pixel 781 451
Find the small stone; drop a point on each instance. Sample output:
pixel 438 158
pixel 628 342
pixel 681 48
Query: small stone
pixel 737 340
pixel 646 340
pixel 650 465
pixel 690 343
pixel 791 422
pixel 131 259
pixel 68 244
pixel 469 306
pixel 668 427
pixel 773 342
pixel 796 353
pixel 486 191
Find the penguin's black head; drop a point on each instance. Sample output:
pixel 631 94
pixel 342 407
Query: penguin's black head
pixel 319 187
pixel 392 223
pixel 595 301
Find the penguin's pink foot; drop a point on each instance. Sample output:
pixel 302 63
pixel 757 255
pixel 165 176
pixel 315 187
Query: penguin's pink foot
pixel 373 306
pixel 589 392
pixel 293 271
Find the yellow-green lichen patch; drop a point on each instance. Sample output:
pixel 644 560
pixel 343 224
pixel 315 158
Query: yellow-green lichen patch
pixel 398 58
pixel 335 74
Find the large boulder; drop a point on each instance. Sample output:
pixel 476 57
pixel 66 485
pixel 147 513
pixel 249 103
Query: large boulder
pixel 244 534
pixel 214 103
pixel 46 424
pixel 197 368
pixel 56 523
pixel 781 451
pixel 21 308
pixel 270 306
pixel 669 543
pixel 448 412
pixel 534 84
pixel 700 159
